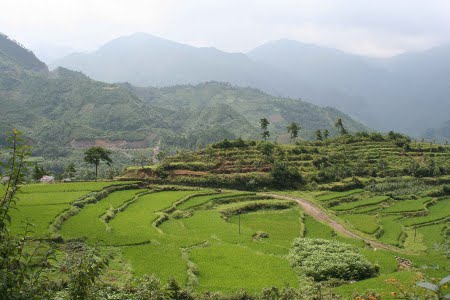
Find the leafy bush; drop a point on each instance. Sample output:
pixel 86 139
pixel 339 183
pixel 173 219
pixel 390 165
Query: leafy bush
pixel 324 259
pixel 266 149
pixel 285 176
pixel 160 172
pixel 239 143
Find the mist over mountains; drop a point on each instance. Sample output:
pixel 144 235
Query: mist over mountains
pixel 407 93
pixel 63 109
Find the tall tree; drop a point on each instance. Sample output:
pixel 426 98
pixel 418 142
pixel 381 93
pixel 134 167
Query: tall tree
pixel 38 172
pixel 340 127
pixel 70 170
pixel 22 259
pixel 161 156
pixel 319 135
pixel 264 123
pixel 95 155
pixel 142 160
pixel 326 134
pixel 293 129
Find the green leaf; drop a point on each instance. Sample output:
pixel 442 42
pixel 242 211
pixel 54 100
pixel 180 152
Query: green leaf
pixel 428 286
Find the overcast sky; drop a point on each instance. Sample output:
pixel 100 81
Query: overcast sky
pixel 373 28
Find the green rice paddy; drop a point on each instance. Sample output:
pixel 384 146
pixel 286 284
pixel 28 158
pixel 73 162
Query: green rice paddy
pixel 224 241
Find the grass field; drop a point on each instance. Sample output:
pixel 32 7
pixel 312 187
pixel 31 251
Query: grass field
pixel 206 244
pixel 378 285
pixel 282 226
pixel 49 198
pixel 40 204
pixel 315 229
pixel 200 200
pixel 178 239
pixel 87 222
pixel 226 268
pixel 407 205
pixel 361 203
pixel 366 209
pixel 365 223
pixel 336 195
pixel 392 230
pixel 70 186
pixel 41 216
pixel 163 261
pixel 433 234
pixel 436 212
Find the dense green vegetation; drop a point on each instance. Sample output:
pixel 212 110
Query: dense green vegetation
pixel 371 201
pixel 63 111
pixel 411 99
pixel 343 163
pixel 207 238
pixel 212 240
pixel 41 204
pixel 337 260
pixel 366 202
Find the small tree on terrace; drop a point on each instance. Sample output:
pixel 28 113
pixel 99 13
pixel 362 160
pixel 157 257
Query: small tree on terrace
pixel 293 129
pixel 142 160
pixel 319 135
pixel 340 127
pixel 38 172
pixel 161 156
pixel 264 123
pixel 95 155
pixel 70 170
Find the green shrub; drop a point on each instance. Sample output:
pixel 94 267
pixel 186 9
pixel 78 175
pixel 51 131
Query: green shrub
pixel 239 143
pixel 285 176
pixel 161 172
pixel 324 259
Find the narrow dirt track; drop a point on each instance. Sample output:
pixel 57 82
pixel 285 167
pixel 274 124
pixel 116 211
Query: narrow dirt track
pixel 319 214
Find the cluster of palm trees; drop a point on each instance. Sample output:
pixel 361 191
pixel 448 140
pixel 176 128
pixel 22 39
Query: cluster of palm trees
pixel 293 129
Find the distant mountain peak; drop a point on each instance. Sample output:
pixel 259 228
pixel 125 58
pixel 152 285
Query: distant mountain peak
pixel 19 54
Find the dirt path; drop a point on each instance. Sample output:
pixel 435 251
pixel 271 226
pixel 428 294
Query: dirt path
pixel 319 214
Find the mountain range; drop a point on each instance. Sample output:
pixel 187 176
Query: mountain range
pixel 407 93
pixel 65 109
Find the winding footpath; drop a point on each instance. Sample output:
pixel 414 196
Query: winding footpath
pixel 319 214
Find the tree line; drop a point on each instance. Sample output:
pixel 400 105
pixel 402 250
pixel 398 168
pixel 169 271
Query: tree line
pixel 293 128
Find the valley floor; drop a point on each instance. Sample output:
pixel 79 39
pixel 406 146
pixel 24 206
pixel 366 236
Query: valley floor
pixel 212 240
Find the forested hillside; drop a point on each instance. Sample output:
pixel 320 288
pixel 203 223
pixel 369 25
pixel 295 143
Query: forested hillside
pixel 406 93
pixel 67 109
pixel 60 107
pixel 238 110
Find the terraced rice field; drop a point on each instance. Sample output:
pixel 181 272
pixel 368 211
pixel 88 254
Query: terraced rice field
pixel 408 205
pixel 392 230
pixel 226 241
pixel 207 235
pixel 337 195
pixel 365 223
pixel 437 212
pixel 360 203
pixel 40 204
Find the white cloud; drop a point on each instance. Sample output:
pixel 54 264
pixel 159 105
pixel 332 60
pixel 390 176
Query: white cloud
pixel 368 27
